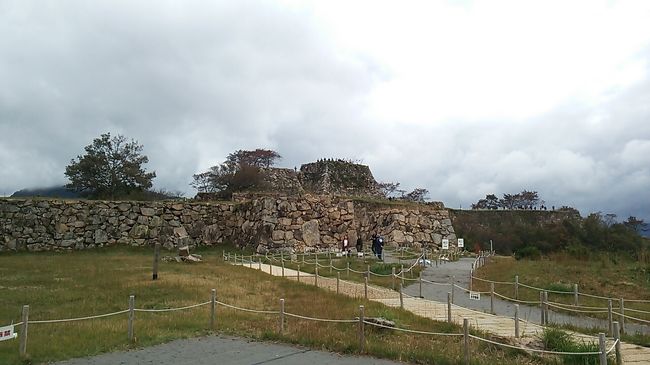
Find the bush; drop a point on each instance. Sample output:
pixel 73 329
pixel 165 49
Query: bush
pixel 557 340
pixel 528 252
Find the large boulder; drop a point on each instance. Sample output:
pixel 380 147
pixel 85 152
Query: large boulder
pixel 311 233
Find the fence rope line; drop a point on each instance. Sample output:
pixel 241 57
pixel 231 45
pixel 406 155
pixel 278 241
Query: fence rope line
pixel 78 318
pixel 575 310
pixel 517 300
pixel 172 309
pixel 533 350
pixel 630 317
pixel 446 334
pixel 246 309
pixel 412 331
pixel 321 319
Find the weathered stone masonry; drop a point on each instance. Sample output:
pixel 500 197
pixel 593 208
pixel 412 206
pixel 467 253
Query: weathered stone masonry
pixel 301 223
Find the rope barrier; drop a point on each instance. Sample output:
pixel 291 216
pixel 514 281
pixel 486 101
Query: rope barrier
pixel 172 309
pixel 632 318
pixel 533 350
pixel 321 319
pixel 575 310
pixel 78 318
pixel 413 331
pixel 496 282
pixel 246 309
pixel 517 300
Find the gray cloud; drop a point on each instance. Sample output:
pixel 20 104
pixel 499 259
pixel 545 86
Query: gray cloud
pixel 196 82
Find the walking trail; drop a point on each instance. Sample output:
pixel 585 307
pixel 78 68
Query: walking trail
pixel 499 325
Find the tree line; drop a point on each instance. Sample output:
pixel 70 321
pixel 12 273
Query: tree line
pixel 525 200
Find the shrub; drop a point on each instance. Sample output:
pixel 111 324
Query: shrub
pixel 528 252
pixel 557 340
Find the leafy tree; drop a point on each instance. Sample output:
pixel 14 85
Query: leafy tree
pixel 417 195
pixel 110 168
pixel 636 225
pixel 388 189
pixel 242 170
pixel 490 202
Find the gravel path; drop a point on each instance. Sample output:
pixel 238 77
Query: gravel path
pixel 224 350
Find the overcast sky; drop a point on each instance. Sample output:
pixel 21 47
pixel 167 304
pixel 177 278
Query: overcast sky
pixel 464 98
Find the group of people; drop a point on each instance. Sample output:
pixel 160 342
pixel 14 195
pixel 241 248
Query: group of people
pixel 377 245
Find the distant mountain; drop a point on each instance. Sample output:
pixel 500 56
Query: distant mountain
pixel 50 192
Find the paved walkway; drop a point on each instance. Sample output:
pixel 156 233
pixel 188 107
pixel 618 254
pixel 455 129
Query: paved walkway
pixel 502 326
pixel 212 350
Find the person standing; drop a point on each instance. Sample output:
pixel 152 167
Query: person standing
pixel 345 245
pixel 359 244
pixel 380 247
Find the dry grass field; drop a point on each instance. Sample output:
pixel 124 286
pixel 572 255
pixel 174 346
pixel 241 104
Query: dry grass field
pixel 77 284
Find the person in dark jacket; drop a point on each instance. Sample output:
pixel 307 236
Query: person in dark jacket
pixel 359 244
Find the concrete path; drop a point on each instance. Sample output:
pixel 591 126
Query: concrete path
pixel 502 326
pixel 224 350
pixel 460 271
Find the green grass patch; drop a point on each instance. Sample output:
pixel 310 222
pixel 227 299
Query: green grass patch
pixel 86 283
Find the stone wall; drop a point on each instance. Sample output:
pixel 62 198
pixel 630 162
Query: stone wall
pixel 301 223
pixel 338 177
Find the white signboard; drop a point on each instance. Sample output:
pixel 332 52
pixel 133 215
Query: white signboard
pixel 445 244
pixel 7 333
pixel 461 243
pixel 474 295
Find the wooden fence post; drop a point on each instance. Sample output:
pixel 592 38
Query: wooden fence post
pixel 348 272
pixel 621 316
pixel 282 268
pixel 298 273
pixel 601 346
pixel 491 298
pixel 466 340
pixel 331 266
pixel 362 339
pixel 281 315
pixel 338 279
pixel 610 317
pixel 451 282
pixel 316 277
pixel 270 268
pixel 401 297
pixel 23 332
pixel 365 288
pixel 448 307
pixel 546 316
pixel 575 295
pixel 402 274
pixel 516 320
pixel 131 316
pixel 156 259
pixel 421 285
pixel 517 287
pixel 213 307
pixel 617 337
pixel 541 307
pixel 393 276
